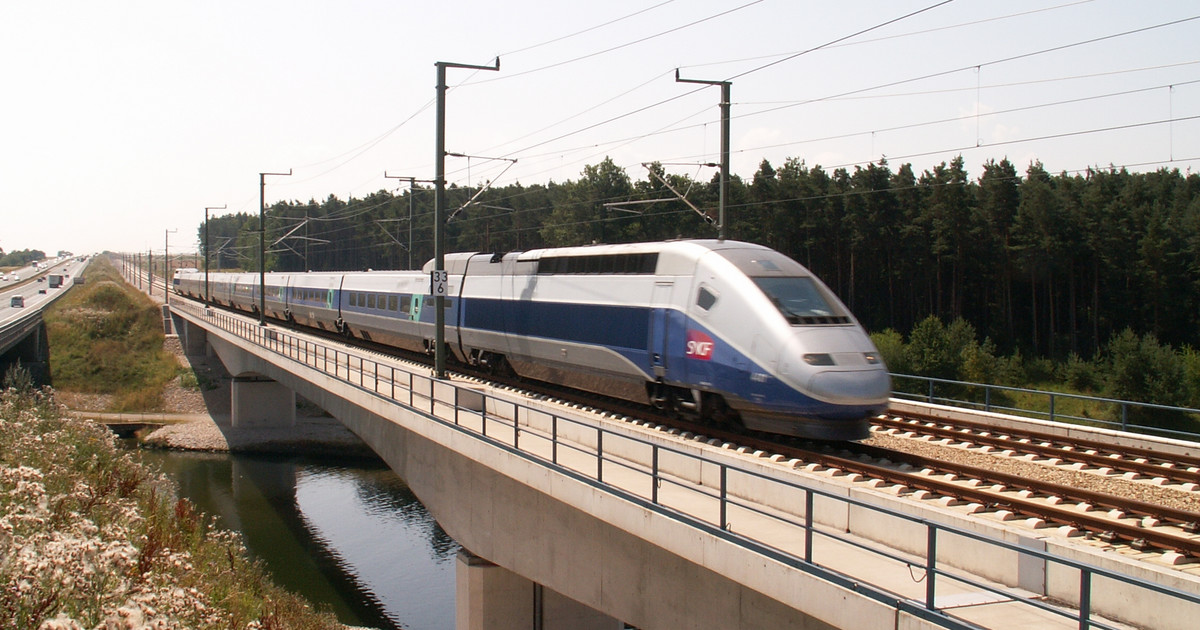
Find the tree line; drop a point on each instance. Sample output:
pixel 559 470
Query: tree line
pixel 20 258
pixel 1053 265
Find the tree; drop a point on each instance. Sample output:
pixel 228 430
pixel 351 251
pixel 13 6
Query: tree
pixel 582 217
pixel 948 213
pixel 998 199
pixel 1143 370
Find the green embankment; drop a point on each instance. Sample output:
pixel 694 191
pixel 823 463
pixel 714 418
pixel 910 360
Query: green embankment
pixel 106 337
pixel 90 538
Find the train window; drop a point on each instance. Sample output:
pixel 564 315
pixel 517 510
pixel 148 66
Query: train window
pixel 370 300
pixel 355 299
pixel 800 300
pixel 645 263
pixel 405 303
pixel 392 302
pixel 381 301
pixel 705 298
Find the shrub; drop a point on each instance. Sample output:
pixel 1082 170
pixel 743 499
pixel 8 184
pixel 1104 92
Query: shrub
pixel 1190 357
pixel 928 352
pixel 891 348
pixel 978 362
pixel 18 378
pixel 1080 375
pixel 93 539
pixel 1143 370
pixel 1010 370
pixel 1039 370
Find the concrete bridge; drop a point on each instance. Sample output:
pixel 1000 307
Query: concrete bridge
pixel 23 343
pixel 22 330
pixel 575 520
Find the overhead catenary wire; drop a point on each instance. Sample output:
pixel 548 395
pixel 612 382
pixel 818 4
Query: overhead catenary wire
pixel 522 152
pixel 894 157
pixel 624 45
pixel 890 83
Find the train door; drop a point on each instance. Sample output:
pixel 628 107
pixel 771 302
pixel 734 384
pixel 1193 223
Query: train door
pixel 659 344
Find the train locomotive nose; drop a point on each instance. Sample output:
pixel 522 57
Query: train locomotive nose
pixel 852 387
pixel 850 374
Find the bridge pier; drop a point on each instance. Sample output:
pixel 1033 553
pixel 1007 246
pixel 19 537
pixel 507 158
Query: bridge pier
pixel 32 353
pixel 193 338
pixel 490 597
pixel 261 402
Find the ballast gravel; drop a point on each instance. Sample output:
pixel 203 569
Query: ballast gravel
pixel 1108 484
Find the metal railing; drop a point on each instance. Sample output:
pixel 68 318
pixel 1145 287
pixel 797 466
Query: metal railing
pixel 592 453
pixel 992 398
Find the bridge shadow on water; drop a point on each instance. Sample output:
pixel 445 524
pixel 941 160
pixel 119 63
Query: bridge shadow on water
pixel 346 533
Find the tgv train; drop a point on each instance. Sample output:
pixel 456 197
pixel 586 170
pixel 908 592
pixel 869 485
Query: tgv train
pixel 728 331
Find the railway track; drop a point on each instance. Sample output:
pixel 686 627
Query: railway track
pixel 1107 517
pixel 1078 454
pixel 1102 516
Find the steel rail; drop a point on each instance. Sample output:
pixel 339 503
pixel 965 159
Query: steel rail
pixel 1182 469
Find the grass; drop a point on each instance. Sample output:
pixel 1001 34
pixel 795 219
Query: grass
pixel 1068 408
pixel 92 538
pixel 106 337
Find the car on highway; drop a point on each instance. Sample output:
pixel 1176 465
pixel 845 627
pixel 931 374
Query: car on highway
pixel 18 301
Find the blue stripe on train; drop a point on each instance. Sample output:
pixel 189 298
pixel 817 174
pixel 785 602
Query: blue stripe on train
pixel 626 330
pixel 616 327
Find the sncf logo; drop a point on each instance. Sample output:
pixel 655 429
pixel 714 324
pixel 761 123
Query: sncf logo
pixel 699 345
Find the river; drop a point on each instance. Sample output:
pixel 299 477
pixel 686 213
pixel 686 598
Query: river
pixel 346 534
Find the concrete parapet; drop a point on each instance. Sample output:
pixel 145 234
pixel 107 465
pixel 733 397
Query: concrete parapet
pixel 1116 600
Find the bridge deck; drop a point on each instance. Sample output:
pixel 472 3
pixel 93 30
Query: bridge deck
pixel 761 523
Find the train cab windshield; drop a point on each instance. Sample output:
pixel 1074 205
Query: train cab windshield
pixel 800 300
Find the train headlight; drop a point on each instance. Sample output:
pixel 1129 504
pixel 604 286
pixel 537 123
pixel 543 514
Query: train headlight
pixel 871 358
pixel 818 359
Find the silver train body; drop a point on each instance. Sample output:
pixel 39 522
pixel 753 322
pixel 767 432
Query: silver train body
pixel 722 329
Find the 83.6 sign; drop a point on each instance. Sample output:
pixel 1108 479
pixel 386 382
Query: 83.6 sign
pixel 438 278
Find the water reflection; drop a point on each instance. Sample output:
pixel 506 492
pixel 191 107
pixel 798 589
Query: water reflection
pixel 348 535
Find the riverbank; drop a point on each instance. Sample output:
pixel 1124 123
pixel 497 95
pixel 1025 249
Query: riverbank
pixel 91 538
pixel 196 416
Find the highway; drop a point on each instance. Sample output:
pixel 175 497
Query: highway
pixel 30 288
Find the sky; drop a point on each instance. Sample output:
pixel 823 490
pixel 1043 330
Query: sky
pixel 120 122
